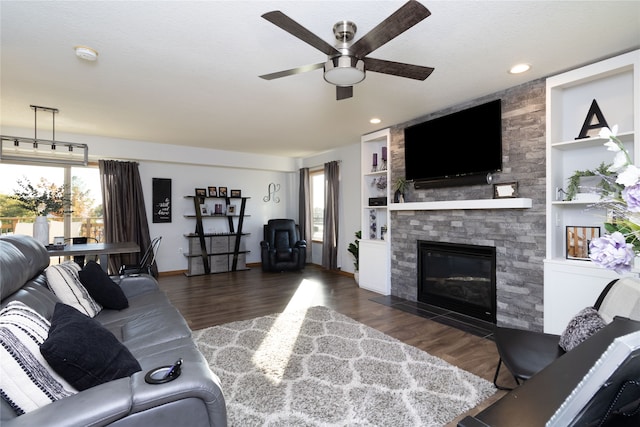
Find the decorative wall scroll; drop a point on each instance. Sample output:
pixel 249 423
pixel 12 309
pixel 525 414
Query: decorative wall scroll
pixel 272 188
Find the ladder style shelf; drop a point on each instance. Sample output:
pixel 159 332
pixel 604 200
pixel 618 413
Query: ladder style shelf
pixel 216 252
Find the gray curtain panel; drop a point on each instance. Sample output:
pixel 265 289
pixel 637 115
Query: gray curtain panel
pixel 125 218
pixel 304 211
pixel 330 232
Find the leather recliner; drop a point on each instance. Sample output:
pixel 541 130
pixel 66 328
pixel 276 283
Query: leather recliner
pixel 282 249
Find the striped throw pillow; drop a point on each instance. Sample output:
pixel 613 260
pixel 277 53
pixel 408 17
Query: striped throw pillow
pixel 27 382
pixel 64 281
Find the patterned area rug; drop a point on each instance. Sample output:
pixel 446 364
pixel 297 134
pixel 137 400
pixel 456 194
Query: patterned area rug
pixel 317 367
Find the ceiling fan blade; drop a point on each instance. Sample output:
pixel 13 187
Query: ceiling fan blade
pixel 292 27
pixel 397 23
pixel 292 71
pixel 343 92
pixel 410 71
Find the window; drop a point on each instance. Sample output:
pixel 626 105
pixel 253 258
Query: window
pixel 85 219
pixel 86 199
pixel 317 204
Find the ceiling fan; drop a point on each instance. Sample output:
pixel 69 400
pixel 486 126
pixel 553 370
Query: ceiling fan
pixel 347 62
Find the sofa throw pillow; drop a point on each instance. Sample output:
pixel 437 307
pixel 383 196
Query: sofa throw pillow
pixel 27 382
pixel 64 281
pixel 584 324
pixel 83 352
pixel 102 289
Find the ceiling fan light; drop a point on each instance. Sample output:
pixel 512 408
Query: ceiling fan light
pixel 344 71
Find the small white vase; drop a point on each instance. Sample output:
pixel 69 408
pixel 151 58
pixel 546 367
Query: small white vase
pixel 41 230
pixel 356 276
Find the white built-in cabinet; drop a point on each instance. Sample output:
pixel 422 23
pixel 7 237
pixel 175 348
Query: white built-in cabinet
pixel 375 187
pixel 571 285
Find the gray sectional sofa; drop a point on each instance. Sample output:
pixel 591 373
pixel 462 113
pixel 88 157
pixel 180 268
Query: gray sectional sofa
pixel 150 328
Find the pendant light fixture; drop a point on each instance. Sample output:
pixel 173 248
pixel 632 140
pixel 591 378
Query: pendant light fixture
pixel 42 150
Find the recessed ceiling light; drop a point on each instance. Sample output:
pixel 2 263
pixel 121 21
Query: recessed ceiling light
pixel 519 68
pixel 375 121
pixel 86 53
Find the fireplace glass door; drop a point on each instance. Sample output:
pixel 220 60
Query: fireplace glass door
pixel 458 277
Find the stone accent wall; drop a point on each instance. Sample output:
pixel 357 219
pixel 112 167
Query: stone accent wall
pixel 517 234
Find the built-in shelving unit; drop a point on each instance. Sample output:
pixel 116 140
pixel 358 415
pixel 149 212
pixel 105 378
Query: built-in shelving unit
pixel 375 190
pixel 217 251
pixel 569 284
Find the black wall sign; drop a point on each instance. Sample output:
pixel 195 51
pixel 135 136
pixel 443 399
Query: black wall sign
pixel 161 200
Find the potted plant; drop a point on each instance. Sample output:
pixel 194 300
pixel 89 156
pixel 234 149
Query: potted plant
pixel 354 249
pixel 605 187
pixel 400 187
pixel 43 199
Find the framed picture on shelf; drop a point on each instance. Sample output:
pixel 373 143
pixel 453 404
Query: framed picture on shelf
pixel 505 191
pixel 204 209
pixel 213 192
pixel 222 191
pixel 201 192
pixel 578 239
pixel 236 193
pixel 231 210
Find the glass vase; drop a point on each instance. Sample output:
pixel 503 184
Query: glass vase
pixel 41 230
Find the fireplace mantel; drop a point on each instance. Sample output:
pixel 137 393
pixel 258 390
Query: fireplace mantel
pixel 515 203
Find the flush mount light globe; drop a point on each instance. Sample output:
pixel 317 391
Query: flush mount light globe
pixel 519 68
pixel 344 71
pixel 86 53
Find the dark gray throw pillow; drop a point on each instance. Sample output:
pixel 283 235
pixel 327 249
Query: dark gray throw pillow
pixel 83 352
pixel 105 291
pixel 584 324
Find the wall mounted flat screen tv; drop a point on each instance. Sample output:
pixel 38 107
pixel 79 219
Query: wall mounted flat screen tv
pixel 457 149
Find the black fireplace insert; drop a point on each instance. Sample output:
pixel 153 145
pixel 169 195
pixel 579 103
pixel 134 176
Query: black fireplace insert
pixel 458 277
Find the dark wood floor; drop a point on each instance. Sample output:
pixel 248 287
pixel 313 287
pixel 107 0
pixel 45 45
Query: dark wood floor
pixel 221 298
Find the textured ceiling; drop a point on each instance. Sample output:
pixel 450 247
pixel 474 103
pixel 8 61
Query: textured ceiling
pixel 186 72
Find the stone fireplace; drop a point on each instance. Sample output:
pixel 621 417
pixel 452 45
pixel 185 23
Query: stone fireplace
pixel 518 235
pixel 458 277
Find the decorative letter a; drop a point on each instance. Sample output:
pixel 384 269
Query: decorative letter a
pixel 594 110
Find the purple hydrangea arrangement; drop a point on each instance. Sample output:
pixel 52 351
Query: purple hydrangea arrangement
pixel 617 249
pixel 612 251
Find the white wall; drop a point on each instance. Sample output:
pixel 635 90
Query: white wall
pixel 184 179
pixel 190 168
